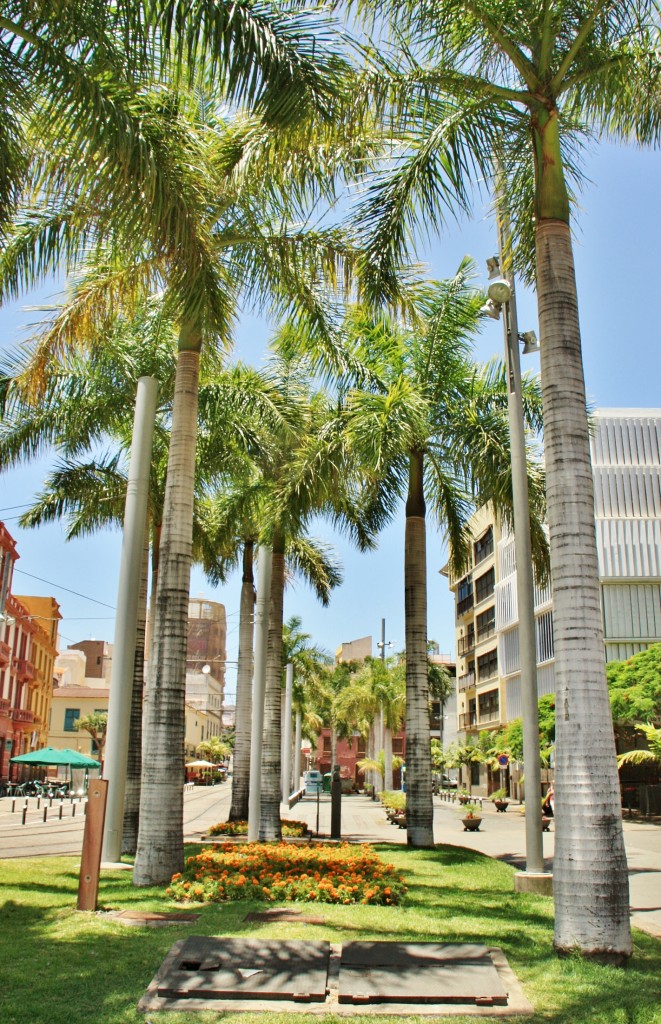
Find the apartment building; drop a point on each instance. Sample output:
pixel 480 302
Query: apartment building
pixel 626 458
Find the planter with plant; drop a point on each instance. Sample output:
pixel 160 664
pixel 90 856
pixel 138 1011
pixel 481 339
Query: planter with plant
pixel 471 819
pixel 500 800
pixel 463 797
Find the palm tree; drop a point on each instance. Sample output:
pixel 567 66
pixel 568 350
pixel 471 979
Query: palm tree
pixel 308 474
pixel 650 758
pixel 434 428
pixel 526 84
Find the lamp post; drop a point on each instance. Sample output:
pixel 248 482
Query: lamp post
pixel 501 292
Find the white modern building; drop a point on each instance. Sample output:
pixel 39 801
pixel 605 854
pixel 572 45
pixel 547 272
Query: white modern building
pixel 626 458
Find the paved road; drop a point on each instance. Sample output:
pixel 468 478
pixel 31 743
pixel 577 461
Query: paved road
pixel 363 820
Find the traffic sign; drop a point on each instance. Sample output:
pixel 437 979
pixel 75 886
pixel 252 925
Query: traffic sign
pixel 503 760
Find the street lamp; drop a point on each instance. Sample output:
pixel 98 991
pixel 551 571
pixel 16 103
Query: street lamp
pixel 501 294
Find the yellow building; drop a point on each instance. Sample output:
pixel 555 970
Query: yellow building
pixel 480 696
pixel 70 703
pixel 198 729
pixel 45 616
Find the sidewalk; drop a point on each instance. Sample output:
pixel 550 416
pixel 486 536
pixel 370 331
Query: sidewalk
pixel 501 836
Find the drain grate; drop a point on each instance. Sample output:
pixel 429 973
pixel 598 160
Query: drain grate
pixel 212 968
pixel 420 972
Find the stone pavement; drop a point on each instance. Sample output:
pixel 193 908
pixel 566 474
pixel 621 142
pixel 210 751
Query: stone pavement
pixel 363 820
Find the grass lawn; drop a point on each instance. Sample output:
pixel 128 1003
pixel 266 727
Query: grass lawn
pixel 59 966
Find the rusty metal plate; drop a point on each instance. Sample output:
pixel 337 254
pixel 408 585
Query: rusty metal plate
pixel 419 972
pixel 213 968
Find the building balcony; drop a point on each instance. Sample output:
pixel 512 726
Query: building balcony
pixel 489 716
pixel 466 682
pixel 23 716
pixel 25 671
pixel 465 605
pixel 5 654
pixel 5 707
pixel 467 720
pixel 465 645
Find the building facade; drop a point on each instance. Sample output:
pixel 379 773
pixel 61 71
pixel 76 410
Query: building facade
pixel 626 458
pixel 28 639
pixel 205 663
pixel 45 615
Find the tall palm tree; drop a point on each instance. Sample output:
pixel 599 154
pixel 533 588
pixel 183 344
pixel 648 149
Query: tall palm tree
pixel 434 429
pixel 217 233
pixel 527 83
pixel 308 474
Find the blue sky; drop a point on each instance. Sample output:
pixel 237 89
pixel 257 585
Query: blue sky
pixel 617 232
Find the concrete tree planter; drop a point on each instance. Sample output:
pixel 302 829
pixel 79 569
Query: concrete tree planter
pixel 501 805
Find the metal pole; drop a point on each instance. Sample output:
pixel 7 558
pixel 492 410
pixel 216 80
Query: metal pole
pixel 522 548
pixel 264 560
pixel 383 639
pixel 286 735
pixel 297 751
pixel 121 679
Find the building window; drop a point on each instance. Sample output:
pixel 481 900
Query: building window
pixel 464 595
pixel 487 665
pixel 71 716
pixel 489 706
pixel 484 585
pixel 486 623
pixel 398 745
pixel 327 744
pixel 483 547
pixel 475 774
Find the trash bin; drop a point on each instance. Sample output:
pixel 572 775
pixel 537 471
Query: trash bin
pixel 327 782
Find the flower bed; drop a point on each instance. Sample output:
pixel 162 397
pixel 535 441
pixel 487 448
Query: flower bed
pixel 293 829
pixel 282 871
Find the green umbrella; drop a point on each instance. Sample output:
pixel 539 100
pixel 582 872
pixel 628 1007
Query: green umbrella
pixel 52 756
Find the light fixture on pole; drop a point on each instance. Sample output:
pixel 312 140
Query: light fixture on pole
pixel 492 309
pixel 530 343
pixel 499 288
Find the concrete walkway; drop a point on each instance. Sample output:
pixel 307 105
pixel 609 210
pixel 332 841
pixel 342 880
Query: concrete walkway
pixel 363 820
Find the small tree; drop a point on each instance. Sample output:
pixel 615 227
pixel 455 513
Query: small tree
pixel 465 756
pixel 96 724
pixel 215 750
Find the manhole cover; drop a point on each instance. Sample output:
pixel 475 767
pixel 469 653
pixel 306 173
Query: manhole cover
pixel 211 968
pixel 420 972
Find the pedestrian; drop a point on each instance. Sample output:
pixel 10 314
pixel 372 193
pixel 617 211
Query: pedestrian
pixel 549 801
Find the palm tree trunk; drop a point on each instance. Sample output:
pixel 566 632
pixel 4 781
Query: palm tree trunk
pixel 153 588
pixel 160 840
pixel 387 755
pixel 269 823
pixel 590 880
pixel 241 758
pixel 134 760
pixel 419 806
pixel 333 739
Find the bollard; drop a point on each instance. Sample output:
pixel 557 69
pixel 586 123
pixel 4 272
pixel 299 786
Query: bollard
pixel 336 803
pixel 61 806
pixel 13 806
pixel 25 812
pixel 38 803
pixel 45 813
pixel 73 809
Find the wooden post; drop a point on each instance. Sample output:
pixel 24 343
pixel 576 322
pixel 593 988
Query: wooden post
pixel 90 862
